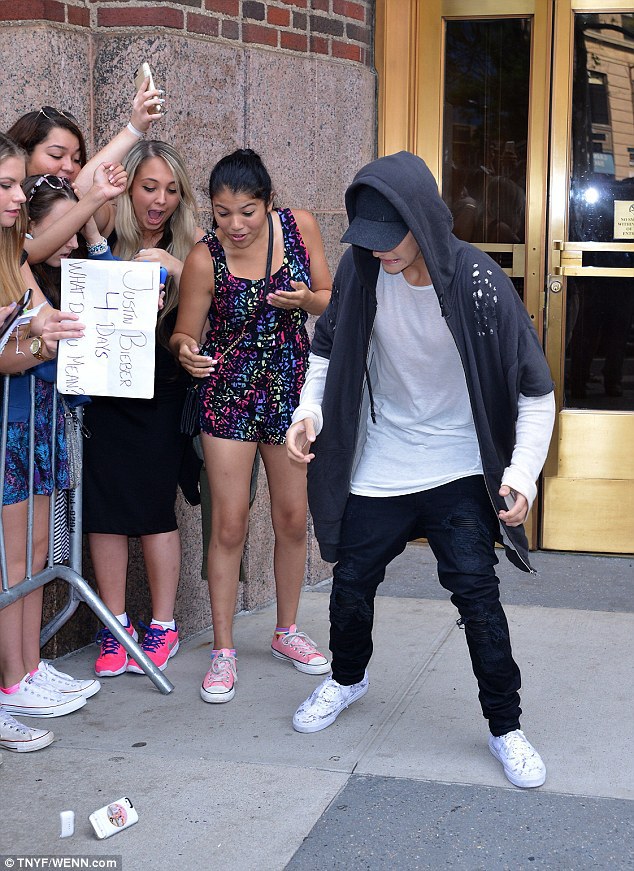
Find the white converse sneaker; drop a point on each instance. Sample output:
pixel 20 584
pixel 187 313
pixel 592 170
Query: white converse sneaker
pixel 523 765
pixel 31 700
pixel 20 738
pixel 50 678
pixel 324 706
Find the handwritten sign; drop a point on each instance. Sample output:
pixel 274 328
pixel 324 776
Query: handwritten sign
pixel 117 301
pixel 623 219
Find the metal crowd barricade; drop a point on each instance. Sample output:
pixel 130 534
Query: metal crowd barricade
pixel 79 590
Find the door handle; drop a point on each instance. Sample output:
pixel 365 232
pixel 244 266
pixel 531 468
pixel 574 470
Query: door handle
pixel 567 259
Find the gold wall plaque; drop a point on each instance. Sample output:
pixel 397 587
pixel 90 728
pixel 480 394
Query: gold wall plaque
pixel 623 219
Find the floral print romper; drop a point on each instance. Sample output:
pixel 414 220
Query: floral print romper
pixel 256 385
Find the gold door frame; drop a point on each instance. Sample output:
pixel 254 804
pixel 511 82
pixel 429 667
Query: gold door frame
pixel 588 483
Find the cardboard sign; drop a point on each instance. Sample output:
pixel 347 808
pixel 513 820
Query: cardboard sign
pixel 117 301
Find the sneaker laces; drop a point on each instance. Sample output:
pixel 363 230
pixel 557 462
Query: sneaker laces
pixel 109 643
pixel 517 743
pixel 300 641
pixel 44 692
pixel 222 664
pixel 153 638
pixel 9 722
pixel 328 692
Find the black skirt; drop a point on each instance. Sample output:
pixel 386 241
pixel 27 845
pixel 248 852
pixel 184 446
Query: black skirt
pixel 132 463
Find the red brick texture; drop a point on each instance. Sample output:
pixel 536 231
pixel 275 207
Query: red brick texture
pixel 340 29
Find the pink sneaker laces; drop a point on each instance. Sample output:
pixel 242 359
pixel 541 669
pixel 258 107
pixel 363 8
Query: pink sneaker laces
pixel 300 642
pixel 223 668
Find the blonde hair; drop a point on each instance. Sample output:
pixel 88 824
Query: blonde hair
pixel 179 233
pixel 11 238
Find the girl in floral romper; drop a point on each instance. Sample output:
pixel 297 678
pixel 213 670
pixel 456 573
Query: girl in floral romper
pixel 252 365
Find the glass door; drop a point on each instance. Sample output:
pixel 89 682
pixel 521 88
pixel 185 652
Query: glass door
pixel 588 501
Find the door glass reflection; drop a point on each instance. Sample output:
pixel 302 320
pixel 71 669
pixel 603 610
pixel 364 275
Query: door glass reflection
pixel 600 310
pixel 485 128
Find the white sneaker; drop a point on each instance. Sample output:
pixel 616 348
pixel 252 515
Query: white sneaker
pixel 31 700
pixel 19 738
pixel 324 706
pixel 50 678
pixel 523 765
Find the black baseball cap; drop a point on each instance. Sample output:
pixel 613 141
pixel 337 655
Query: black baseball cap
pixel 377 225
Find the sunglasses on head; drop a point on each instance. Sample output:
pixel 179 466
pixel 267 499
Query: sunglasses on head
pixel 55 114
pixel 53 181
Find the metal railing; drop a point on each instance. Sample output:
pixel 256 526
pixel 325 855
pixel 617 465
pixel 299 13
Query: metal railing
pixel 79 590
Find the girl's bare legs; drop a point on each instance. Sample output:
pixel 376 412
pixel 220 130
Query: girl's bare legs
pixel 287 488
pixel 32 617
pixel 109 555
pixel 21 622
pixel 162 555
pixel 228 464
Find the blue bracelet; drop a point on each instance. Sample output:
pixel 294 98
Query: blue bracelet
pixel 99 248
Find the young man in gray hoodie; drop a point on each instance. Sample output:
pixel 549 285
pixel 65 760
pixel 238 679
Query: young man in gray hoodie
pixel 427 412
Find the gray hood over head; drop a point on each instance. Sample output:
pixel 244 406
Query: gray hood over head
pixel 406 181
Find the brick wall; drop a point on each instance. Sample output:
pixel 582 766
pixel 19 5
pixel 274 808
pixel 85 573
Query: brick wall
pixel 333 28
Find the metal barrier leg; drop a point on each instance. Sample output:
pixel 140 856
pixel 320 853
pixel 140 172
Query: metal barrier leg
pixel 80 589
pixel 88 595
pixel 108 618
pixel 62 617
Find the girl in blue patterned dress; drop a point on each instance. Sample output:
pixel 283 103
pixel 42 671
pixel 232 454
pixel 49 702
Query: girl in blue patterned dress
pixel 252 366
pixel 24 680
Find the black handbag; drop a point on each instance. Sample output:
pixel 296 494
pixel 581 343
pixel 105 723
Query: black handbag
pixel 190 417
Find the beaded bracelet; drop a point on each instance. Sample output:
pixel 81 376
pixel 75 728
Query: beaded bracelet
pixel 98 248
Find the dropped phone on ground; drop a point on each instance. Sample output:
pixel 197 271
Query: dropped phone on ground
pixel 113 817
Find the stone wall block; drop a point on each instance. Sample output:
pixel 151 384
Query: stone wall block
pixel 279 121
pixel 56 74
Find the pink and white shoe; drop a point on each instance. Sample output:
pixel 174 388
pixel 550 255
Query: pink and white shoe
pixel 158 644
pixel 219 683
pixel 300 651
pixel 113 657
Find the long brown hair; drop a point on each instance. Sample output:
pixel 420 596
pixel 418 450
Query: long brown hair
pixel 11 238
pixel 33 128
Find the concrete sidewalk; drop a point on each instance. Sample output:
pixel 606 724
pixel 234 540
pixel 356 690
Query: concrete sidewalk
pixel 403 779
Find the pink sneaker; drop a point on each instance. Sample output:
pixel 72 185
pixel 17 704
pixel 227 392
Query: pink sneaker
pixel 219 683
pixel 159 644
pixel 112 659
pixel 300 650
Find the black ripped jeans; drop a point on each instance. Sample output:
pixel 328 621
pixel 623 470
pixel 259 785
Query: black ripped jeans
pixel 460 525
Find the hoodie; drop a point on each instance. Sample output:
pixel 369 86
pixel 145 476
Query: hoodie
pixel 498 346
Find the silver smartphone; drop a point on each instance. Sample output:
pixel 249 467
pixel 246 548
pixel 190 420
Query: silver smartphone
pixel 145 72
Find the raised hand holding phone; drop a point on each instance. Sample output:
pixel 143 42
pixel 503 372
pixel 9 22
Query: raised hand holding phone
pixel 154 103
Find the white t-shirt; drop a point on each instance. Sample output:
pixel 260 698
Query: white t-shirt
pixel 424 434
